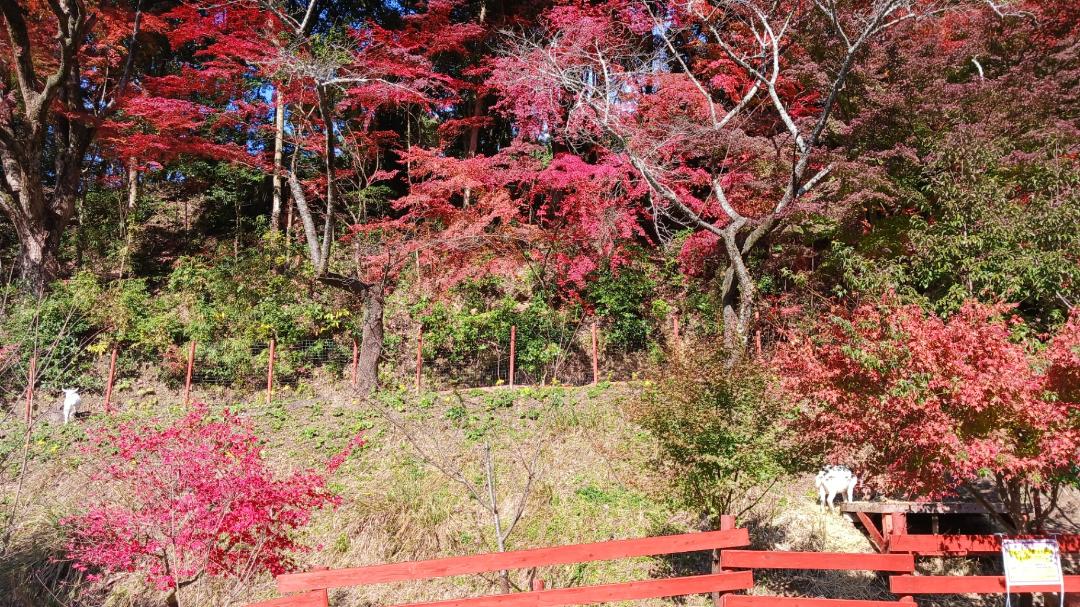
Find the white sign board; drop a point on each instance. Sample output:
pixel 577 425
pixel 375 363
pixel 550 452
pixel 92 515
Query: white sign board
pixel 1032 563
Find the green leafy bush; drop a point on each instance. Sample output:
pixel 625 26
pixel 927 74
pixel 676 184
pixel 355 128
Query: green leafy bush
pixel 623 299
pixel 474 330
pixel 720 431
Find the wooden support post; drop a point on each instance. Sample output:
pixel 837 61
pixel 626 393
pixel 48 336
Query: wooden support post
pixel 419 356
pixel 324 596
pixel 595 357
pixel 876 538
pixel 31 380
pixel 109 383
pixel 190 370
pixel 727 522
pixel 270 372
pixel 897 526
pixel 355 360
pixel 538 584
pixel 513 344
pixel 899 523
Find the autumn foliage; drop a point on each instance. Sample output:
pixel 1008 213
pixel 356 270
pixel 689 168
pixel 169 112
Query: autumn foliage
pixel 926 406
pixel 193 497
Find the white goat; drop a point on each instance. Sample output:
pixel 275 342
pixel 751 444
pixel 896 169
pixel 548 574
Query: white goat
pixel 71 403
pixel 833 481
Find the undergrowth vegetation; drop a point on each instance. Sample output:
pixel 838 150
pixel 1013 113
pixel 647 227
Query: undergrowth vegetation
pixel 234 305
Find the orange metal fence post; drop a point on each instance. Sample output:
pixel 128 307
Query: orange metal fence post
pixel 419 355
pixel 31 379
pixel 513 340
pixel 675 331
pixel 190 370
pixel 270 373
pixel 595 357
pixel 112 377
pixel 355 360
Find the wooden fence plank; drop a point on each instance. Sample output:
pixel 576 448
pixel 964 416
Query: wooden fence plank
pixel 955 584
pixel 960 545
pixel 519 559
pixel 316 598
pixel 844 561
pixel 626 591
pixel 741 600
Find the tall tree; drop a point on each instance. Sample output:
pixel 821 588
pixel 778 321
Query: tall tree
pixel 723 109
pixel 54 81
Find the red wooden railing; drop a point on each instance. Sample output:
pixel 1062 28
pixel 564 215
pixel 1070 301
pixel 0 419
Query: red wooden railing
pixel 843 561
pixel 312 585
pixel 964 584
pixel 964 545
pixel 309 589
pixel 834 561
pixel 742 600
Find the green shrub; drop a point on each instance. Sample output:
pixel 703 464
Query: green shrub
pixel 623 299
pixel 720 431
pixel 476 329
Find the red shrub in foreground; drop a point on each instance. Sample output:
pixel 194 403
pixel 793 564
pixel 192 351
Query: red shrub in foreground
pixel 191 497
pixel 928 407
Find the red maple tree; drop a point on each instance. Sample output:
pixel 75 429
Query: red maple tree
pixel 930 407
pixel 721 111
pixel 193 497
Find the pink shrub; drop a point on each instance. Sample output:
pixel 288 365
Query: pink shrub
pixel 194 496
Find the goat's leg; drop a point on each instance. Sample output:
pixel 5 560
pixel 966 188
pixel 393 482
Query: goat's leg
pixel 851 490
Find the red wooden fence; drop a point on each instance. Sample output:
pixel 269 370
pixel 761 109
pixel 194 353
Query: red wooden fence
pixel 627 591
pixel 737 600
pixel 842 561
pixel 310 587
pixel 835 561
pixel 963 545
pixel 518 559
pixel 957 584
pixel 312 583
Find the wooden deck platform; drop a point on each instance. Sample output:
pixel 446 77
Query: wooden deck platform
pixel 885 519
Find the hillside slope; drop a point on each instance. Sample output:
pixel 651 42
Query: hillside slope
pixel 406 495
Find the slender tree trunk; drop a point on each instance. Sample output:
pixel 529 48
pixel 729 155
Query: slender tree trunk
pixel 371 345
pixel 279 156
pixel 496 520
pixel 127 217
pixel 327 114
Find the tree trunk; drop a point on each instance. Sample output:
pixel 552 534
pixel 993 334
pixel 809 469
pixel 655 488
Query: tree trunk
pixel 279 155
pixel 371 346
pixel 128 215
pixel 38 262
